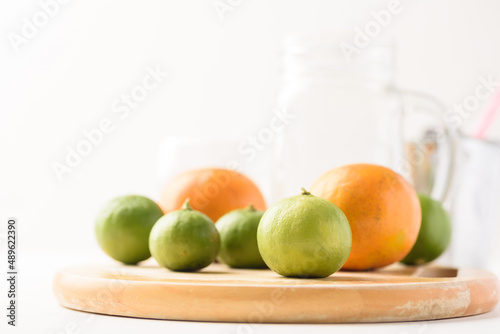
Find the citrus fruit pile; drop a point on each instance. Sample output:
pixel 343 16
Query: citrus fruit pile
pixel 355 217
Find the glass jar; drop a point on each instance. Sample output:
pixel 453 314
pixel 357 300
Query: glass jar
pixel 335 107
pixel 345 111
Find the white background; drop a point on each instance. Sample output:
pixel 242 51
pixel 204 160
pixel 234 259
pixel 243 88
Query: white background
pixel 223 78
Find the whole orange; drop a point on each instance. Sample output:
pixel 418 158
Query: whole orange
pixel 213 191
pixel 382 208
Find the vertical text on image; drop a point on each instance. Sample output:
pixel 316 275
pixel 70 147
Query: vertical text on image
pixel 12 272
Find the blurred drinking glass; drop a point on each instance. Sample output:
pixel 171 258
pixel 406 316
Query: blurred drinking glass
pixel 180 154
pixel 475 210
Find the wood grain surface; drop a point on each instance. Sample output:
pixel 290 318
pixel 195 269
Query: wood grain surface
pixel 217 293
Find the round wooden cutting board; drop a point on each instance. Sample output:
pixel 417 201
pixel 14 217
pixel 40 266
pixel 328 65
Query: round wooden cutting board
pixel 217 293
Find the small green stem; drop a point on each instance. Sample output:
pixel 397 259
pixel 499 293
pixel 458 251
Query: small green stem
pixel 305 192
pixel 186 205
pixel 251 207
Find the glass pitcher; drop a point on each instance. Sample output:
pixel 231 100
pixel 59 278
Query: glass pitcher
pixel 345 112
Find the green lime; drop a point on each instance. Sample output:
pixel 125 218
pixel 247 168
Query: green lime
pixel 434 235
pixel 123 225
pixel 238 238
pixel 304 236
pixel 184 240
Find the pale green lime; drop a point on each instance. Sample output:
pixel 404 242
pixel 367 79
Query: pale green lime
pixel 434 235
pixel 184 240
pixel 304 236
pixel 238 235
pixel 123 225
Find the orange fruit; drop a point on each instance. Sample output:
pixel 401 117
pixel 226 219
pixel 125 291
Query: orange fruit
pixel 382 208
pixel 213 191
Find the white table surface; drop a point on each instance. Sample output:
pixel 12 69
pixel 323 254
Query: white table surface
pixel 39 312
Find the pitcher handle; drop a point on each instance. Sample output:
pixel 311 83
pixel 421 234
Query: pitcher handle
pixel 446 138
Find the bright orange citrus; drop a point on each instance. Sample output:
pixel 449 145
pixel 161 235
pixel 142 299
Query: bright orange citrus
pixel 213 191
pixel 382 208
